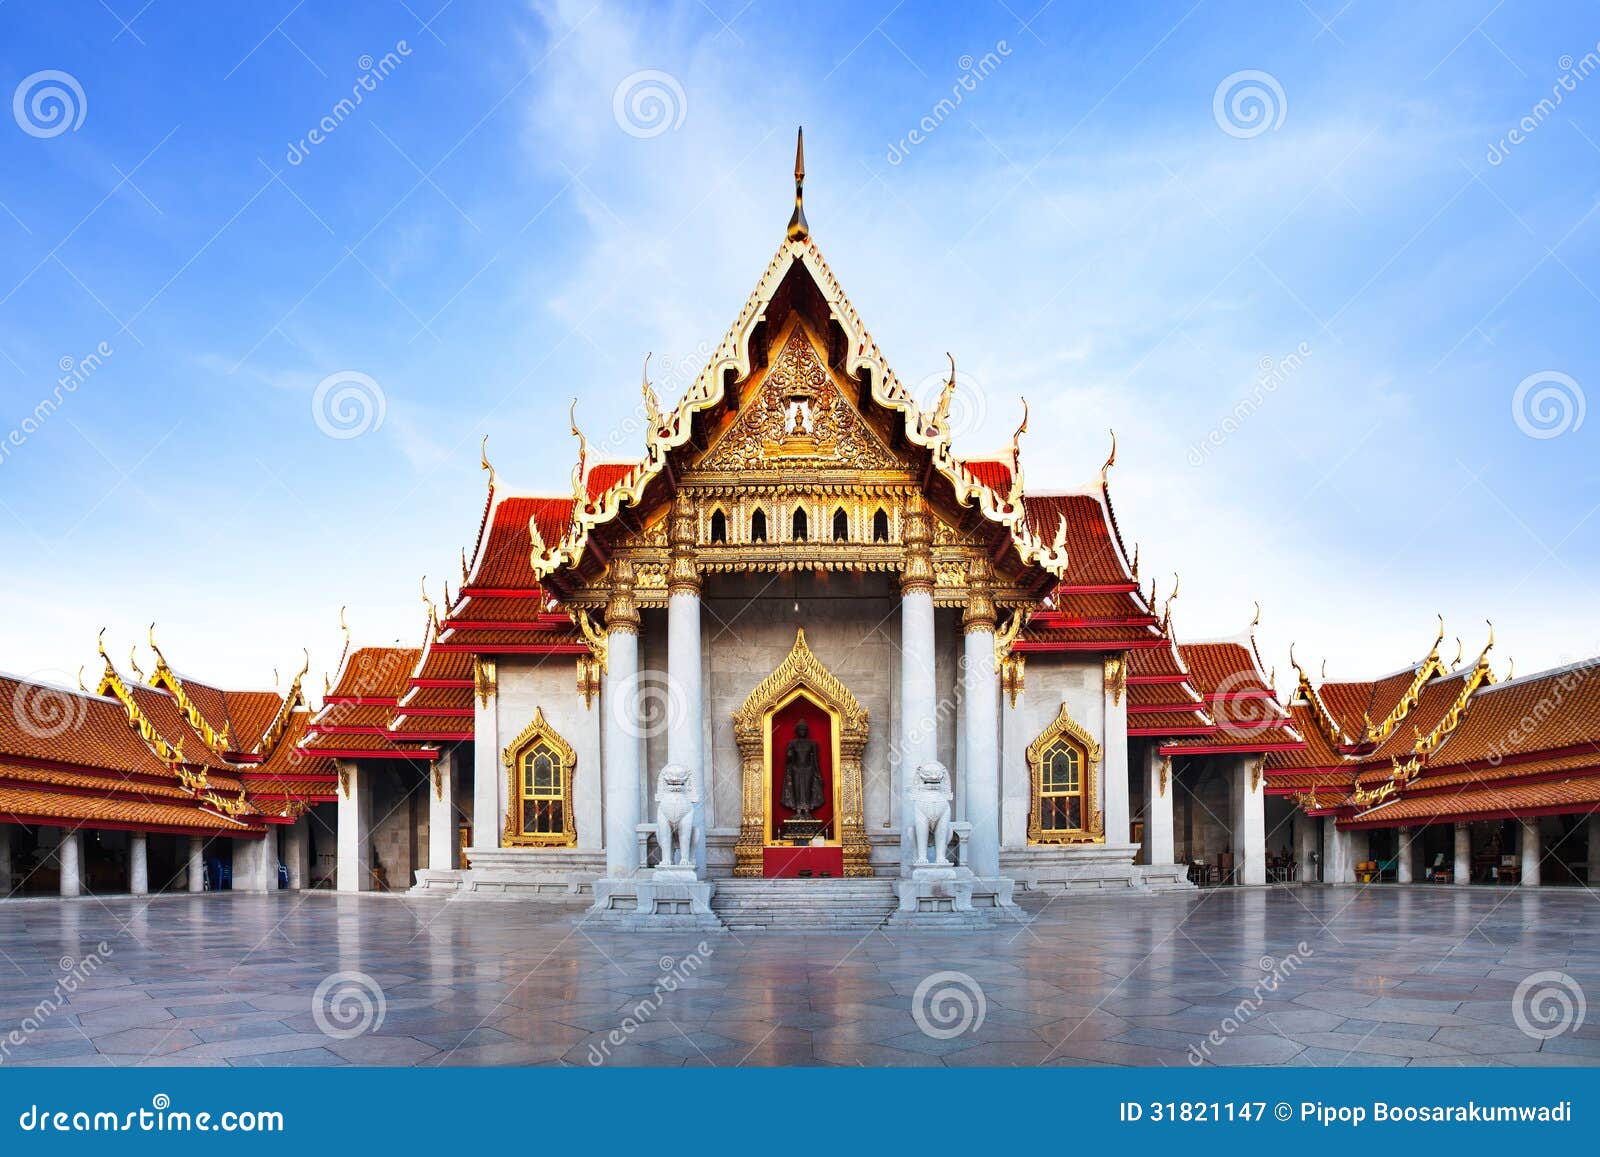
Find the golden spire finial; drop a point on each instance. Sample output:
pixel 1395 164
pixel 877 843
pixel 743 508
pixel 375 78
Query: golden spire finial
pixel 580 472
pixel 1166 610
pixel 100 645
pixel 1433 652
pixel 483 459
pixel 1136 562
pixel 1256 622
pixel 133 662
pixel 652 404
pixel 1016 439
pixel 1456 662
pixel 1111 459
pixel 464 574
pixel 1511 668
pixel 81 686
pixel 941 413
pixel 798 229
pixel 1324 670
pixel 274 677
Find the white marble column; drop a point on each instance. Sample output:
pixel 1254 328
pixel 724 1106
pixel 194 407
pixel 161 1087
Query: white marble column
pixel 5 860
pixel 620 739
pixel 1307 846
pixel 197 864
pixel 1014 778
pixel 981 725
pixel 919 697
pixel 1405 855
pixel 1114 756
pixel 685 731
pixel 1594 850
pixel 442 812
pixel 69 857
pixel 353 869
pixel 1250 834
pixel 255 863
pixel 1342 852
pixel 138 864
pixel 486 770
pixel 297 853
pixel 1158 788
pixel 1532 851
pixel 1463 857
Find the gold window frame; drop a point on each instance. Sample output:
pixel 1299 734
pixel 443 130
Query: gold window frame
pixel 1065 729
pixel 536 733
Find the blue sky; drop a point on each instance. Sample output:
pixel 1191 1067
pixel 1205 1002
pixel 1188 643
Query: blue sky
pixel 488 234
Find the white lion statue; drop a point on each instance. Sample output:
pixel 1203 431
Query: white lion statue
pixel 676 797
pixel 930 798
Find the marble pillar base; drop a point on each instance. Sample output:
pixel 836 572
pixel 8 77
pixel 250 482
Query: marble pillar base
pixel 441 882
pixel 560 875
pixel 953 897
pixel 663 900
pixel 1091 868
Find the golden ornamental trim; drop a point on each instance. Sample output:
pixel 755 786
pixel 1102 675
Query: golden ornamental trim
pixel 1013 676
pixel 280 722
pixel 344 779
pixel 1115 677
pixel 484 679
pixel 1431 666
pixel 1479 676
pixel 1165 773
pixel 538 731
pixel 1308 693
pixel 1064 726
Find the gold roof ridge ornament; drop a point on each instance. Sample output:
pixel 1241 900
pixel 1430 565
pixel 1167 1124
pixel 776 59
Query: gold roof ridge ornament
pixel 164 676
pixel 1481 675
pixel 1111 460
pixel 652 404
pixel 941 413
pixel 580 472
pixel 1166 609
pixel 798 229
pixel 483 461
pixel 1430 668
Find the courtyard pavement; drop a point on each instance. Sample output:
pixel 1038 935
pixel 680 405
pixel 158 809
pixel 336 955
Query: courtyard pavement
pixel 1418 975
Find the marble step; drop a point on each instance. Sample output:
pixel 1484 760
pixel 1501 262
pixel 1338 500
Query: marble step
pixel 842 905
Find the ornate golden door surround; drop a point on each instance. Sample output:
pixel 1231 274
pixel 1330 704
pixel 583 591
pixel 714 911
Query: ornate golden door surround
pixel 801 670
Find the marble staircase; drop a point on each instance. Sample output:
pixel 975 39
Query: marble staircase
pixel 805 905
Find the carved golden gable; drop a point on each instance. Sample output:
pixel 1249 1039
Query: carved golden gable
pixel 798 419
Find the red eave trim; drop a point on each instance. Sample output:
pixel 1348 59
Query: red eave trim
pixel 1183 708
pixel 429 736
pixel 1045 646
pixel 423 754
pixel 29 820
pixel 541 623
pixel 1158 732
pixel 451 684
pixel 1096 589
pixel 1446 816
pixel 360 700
pixel 515 648
pixel 1156 680
pixel 471 592
pixel 1228 748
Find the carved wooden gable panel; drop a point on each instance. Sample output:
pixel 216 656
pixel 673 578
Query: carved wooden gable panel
pixel 798 418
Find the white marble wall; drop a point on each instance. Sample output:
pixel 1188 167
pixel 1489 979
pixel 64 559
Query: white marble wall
pixel 531 683
pixel 1076 680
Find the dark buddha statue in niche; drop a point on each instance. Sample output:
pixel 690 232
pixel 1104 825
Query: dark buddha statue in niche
pixel 802 773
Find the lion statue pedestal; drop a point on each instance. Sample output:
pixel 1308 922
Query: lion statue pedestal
pixel 939 890
pixel 672 895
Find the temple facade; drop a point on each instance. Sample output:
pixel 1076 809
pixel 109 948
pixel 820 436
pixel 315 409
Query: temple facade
pixel 802 659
